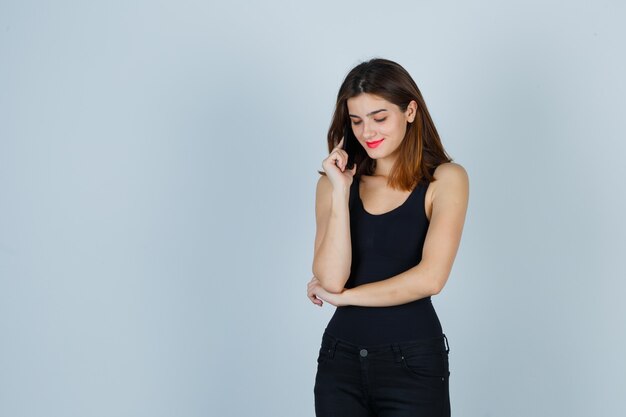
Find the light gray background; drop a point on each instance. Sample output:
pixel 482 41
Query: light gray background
pixel 157 177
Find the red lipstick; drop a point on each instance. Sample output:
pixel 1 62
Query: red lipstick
pixel 375 143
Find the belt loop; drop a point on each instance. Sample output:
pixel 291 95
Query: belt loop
pixel 397 353
pixel 447 344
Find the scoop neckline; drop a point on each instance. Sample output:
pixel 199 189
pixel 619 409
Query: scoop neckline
pixel 358 194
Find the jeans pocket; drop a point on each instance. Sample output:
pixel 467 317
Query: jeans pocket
pixel 432 367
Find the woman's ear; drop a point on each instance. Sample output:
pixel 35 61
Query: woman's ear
pixel 411 111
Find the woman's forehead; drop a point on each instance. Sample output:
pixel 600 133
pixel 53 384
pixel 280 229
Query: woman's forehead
pixel 367 103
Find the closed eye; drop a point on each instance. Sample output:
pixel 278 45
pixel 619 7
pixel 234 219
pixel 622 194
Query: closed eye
pixel 378 120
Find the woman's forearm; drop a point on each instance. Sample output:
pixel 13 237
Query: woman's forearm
pixel 410 285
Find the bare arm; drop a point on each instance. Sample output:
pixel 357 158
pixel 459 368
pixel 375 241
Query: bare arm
pixel 450 201
pixel 332 256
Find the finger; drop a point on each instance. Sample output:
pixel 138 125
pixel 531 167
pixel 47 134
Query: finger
pixel 337 157
pixel 341 159
pixel 340 144
pixel 314 299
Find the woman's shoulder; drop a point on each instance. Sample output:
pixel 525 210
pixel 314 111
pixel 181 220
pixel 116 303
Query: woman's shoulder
pixel 324 186
pixel 450 171
pixel 450 178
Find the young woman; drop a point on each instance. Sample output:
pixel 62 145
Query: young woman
pixel 388 231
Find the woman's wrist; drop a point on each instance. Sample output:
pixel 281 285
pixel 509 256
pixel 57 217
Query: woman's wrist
pixel 341 194
pixel 346 297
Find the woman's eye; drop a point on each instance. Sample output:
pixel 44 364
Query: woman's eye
pixel 378 120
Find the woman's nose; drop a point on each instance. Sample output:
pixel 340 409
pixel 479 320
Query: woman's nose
pixel 368 132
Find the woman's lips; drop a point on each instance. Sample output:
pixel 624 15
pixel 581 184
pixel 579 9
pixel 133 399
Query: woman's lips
pixel 375 143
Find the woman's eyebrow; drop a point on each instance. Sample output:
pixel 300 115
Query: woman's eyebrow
pixel 368 114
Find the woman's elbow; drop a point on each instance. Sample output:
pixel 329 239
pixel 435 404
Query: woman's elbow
pixel 330 282
pixel 333 287
pixel 438 285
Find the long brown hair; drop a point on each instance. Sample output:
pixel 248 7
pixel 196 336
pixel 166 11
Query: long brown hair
pixel 421 150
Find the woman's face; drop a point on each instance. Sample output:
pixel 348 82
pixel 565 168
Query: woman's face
pixel 378 124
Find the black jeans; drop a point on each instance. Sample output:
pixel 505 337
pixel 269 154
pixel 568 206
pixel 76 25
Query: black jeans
pixel 393 380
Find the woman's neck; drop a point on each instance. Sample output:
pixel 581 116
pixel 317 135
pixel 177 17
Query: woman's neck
pixel 383 167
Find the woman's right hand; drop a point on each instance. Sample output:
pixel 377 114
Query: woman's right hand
pixel 335 167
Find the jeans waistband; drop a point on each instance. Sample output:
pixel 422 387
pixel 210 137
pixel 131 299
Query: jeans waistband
pixel 437 343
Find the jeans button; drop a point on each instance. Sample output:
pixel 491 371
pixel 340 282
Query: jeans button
pixel 363 352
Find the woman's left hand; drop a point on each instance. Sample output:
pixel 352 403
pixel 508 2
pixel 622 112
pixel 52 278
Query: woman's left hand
pixel 316 294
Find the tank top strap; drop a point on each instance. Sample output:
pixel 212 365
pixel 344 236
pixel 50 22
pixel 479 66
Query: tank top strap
pixel 416 198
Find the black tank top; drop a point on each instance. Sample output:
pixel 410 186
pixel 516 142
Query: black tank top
pixel 385 245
